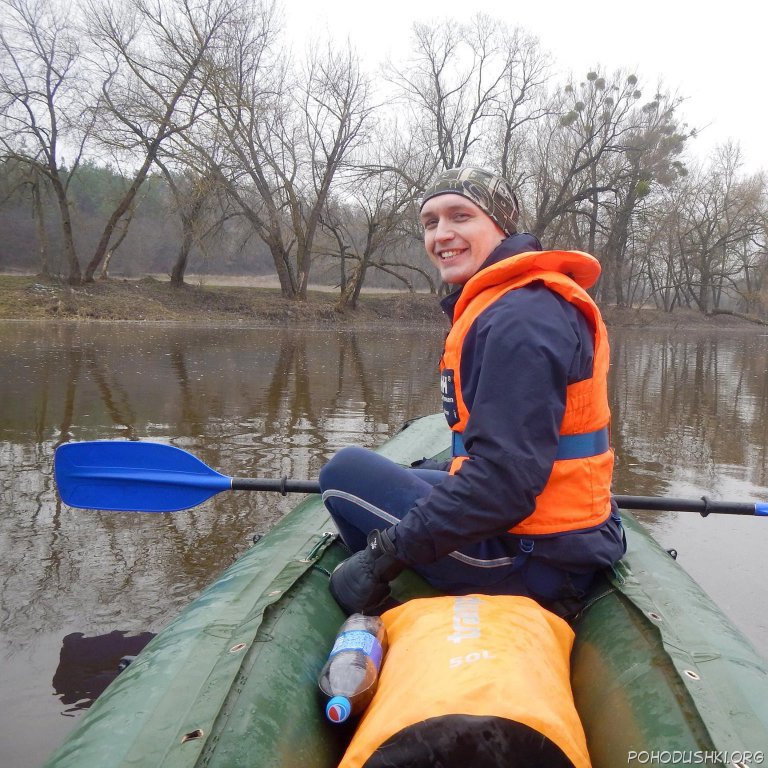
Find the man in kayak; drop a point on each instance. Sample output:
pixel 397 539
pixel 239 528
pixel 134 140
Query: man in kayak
pixel 524 506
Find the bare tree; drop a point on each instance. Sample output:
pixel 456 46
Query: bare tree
pixel 453 81
pixel 198 203
pixel 648 155
pixel 521 102
pixel 588 122
pixel 287 135
pixel 155 58
pixel 374 217
pixel 716 221
pixel 660 275
pixel 753 253
pixel 40 101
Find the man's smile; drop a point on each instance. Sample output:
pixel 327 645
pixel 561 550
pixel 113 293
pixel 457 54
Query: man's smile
pixel 451 253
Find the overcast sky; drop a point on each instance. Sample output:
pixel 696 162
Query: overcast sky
pixel 712 54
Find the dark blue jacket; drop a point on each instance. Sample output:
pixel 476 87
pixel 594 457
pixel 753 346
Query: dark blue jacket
pixel 517 360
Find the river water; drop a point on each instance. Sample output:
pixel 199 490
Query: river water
pixel 81 588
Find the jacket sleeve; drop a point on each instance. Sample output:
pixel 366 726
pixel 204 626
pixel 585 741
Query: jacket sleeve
pixel 516 364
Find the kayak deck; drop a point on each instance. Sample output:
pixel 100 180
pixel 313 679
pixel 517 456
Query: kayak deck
pixel 232 681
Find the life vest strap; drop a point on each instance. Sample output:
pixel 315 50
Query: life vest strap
pixel 579 446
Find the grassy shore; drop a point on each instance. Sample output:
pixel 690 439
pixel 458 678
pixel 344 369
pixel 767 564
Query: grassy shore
pixel 31 298
pixel 151 300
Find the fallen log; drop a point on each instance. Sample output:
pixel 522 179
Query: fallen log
pixel 748 318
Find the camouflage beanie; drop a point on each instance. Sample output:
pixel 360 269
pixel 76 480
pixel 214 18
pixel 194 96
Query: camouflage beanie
pixel 493 194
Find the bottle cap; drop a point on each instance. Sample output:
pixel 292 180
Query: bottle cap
pixel 338 709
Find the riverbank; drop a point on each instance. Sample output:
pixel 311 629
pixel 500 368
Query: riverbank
pixel 150 300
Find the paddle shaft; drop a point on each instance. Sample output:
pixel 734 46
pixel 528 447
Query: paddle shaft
pixel 703 506
pixel 282 485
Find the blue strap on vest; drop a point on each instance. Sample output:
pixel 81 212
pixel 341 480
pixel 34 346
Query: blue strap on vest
pixel 584 445
pixel 570 446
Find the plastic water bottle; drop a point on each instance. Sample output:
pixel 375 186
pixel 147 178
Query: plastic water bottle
pixel 351 674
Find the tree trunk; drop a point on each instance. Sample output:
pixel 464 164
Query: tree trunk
pixel 351 293
pixel 180 267
pixel 74 274
pixel 617 241
pixel 187 238
pixel 117 214
pixel 42 232
pixel 105 265
pixel 703 298
pixel 281 259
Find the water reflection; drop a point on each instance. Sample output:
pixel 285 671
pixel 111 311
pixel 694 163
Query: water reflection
pixel 690 410
pixel 87 665
pixel 259 402
pixel 689 418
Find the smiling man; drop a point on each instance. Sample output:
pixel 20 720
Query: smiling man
pixel 524 506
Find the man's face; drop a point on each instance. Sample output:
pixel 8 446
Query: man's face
pixel 458 236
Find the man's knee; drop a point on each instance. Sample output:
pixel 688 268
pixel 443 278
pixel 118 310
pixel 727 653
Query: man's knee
pixel 343 465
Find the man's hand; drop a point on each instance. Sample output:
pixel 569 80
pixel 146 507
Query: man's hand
pixel 361 583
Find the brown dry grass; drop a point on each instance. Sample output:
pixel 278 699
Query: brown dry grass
pixel 149 299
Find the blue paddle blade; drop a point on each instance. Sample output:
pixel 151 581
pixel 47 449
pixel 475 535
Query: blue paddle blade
pixel 129 476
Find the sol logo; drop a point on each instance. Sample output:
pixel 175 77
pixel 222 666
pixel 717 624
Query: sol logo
pixel 470 658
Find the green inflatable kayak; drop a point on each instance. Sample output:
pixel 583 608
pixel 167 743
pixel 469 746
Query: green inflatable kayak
pixel 659 674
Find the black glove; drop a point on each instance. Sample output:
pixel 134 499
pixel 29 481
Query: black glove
pixel 426 463
pixel 361 583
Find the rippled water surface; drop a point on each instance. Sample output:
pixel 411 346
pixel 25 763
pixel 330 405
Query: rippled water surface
pixel 82 588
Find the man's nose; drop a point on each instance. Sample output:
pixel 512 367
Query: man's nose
pixel 443 230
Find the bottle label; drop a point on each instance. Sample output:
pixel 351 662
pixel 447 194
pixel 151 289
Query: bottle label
pixel 358 640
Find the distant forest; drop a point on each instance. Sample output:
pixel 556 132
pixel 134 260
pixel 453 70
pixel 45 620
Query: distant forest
pixel 158 136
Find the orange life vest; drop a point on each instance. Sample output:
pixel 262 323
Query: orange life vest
pixel 577 494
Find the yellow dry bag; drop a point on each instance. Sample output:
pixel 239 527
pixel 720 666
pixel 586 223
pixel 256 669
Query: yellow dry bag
pixel 480 681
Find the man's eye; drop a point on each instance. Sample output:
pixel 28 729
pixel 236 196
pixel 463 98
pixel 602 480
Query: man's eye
pixel 430 224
